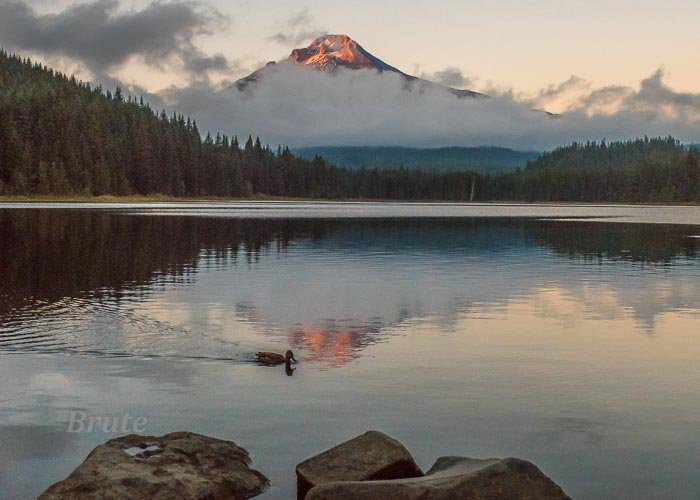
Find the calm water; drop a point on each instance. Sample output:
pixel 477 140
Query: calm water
pixel 566 335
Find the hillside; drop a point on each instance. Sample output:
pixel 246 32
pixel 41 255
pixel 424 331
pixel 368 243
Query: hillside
pixel 613 154
pixel 481 159
pixel 641 170
pixel 62 136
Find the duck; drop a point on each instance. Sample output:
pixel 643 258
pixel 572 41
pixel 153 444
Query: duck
pixel 274 359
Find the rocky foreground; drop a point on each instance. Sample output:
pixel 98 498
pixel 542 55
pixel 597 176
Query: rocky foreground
pixel 191 466
pixel 178 465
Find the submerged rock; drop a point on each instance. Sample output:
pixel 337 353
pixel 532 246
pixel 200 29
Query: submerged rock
pixel 178 465
pixel 454 478
pixel 371 456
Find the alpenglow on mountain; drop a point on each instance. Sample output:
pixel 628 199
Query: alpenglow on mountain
pixel 331 53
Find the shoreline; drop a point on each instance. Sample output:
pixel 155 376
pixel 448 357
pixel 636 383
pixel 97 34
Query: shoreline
pixel 107 199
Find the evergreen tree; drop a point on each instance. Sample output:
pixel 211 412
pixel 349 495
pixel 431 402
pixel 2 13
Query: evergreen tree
pixel 62 136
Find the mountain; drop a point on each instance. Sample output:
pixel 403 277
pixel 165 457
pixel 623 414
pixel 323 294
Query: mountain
pixel 482 159
pixel 329 53
pixel 332 51
pixel 60 136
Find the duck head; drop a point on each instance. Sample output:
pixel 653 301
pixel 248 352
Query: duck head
pixel 289 357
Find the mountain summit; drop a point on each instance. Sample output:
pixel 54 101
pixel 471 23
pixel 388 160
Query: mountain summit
pixel 331 52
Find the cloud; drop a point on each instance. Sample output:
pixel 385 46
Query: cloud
pixel 205 64
pixel 299 28
pixel 560 94
pixel 605 100
pixel 655 95
pixel 653 99
pixel 450 77
pixel 103 38
pixel 299 107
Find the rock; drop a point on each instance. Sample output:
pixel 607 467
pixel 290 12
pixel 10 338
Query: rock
pixel 454 478
pixel 371 456
pixel 178 465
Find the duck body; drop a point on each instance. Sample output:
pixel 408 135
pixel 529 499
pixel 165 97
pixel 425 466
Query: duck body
pixel 274 358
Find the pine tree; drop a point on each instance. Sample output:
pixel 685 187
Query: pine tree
pixel 62 136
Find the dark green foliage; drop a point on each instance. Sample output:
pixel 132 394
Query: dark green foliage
pixel 61 136
pixel 481 159
pixel 643 170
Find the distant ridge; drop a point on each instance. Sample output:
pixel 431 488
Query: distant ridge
pixel 481 158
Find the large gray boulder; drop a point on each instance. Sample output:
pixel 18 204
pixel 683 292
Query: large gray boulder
pixel 371 456
pixel 180 465
pixel 453 478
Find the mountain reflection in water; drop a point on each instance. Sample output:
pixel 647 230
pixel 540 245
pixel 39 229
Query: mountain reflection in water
pixel 570 343
pixel 116 284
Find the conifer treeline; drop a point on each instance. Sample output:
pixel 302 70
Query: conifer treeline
pixel 60 136
pixel 655 170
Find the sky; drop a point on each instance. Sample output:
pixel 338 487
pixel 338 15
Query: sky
pixel 524 45
pixel 514 44
pixel 588 57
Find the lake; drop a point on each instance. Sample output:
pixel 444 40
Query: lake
pixel 567 335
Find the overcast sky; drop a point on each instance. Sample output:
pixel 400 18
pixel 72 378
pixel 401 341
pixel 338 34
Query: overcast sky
pixel 637 57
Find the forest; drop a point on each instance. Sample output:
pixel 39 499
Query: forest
pixel 642 170
pixel 484 159
pixel 60 136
